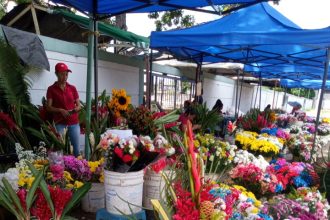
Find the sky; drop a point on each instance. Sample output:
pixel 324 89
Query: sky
pixel 309 14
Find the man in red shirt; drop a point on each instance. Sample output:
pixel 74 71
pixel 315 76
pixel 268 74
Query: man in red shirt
pixel 63 102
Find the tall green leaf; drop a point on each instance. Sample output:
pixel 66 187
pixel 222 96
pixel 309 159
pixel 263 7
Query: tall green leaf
pixel 30 195
pixel 77 196
pixel 44 189
pixel 13 196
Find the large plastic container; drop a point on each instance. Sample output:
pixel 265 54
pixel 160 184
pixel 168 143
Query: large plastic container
pixel 154 186
pixel 122 189
pixel 94 199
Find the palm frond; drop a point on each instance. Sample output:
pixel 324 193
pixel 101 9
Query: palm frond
pixel 13 83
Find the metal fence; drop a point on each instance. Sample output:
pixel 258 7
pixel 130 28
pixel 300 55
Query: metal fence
pixel 170 91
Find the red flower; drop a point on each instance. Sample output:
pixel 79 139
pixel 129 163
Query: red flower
pixel 119 152
pixel 159 165
pixel 40 208
pixel 21 193
pixel 60 198
pixel 6 123
pixel 136 154
pixel 127 158
pixel 170 125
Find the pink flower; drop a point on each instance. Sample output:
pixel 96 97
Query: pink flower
pixel 57 171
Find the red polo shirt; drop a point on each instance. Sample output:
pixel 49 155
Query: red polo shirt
pixel 64 99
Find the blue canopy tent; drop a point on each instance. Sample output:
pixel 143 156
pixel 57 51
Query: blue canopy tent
pixel 99 9
pixel 307 84
pixel 254 35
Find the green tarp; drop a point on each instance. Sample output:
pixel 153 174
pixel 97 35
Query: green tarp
pixel 106 29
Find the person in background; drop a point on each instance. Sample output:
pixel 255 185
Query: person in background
pixel 218 106
pixel 188 115
pixel 63 102
pixel 186 105
pixel 219 128
pixel 267 108
pixel 295 109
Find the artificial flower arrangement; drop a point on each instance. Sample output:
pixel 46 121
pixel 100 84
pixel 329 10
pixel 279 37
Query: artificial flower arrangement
pixel 263 144
pixel 118 104
pixel 323 129
pixel 285 120
pixel 133 153
pixel 302 203
pixel 254 120
pixel 217 155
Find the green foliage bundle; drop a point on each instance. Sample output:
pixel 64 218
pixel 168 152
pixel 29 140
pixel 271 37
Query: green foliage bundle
pixel 208 119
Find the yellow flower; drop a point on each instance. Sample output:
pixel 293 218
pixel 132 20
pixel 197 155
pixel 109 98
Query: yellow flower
pixel 255 210
pixel 67 176
pixel 77 184
pixel 30 181
pixel 69 186
pixel 101 179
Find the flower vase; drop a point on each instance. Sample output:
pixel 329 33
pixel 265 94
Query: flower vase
pixel 94 199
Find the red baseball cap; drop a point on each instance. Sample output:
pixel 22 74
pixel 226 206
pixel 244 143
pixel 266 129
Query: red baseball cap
pixel 62 67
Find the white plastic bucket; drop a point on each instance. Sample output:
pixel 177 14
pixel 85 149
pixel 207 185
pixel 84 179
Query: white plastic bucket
pixel 94 199
pixel 154 186
pixel 121 188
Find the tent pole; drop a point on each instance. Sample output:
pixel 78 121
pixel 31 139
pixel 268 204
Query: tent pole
pixel 149 81
pixel 197 79
pixel 255 100
pixel 260 81
pixel 325 76
pixel 96 77
pixel 274 95
pixel 240 94
pixel 88 87
pixel 236 99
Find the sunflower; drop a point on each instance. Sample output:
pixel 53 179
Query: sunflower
pixel 123 101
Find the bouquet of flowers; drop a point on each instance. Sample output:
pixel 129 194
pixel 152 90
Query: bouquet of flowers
pixel 323 129
pixel 259 144
pixel 141 121
pixel 217 155
pixel 254 120
pixel 285 120
pixel 133 153
pixel 303 203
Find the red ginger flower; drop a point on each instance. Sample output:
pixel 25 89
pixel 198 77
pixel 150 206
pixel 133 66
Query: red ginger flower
pixel 6 123
pixel 60 198
pixel 21 193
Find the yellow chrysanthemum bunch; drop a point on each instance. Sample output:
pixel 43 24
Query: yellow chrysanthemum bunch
pixel 263 144
pixel 119 101
pixel 326 120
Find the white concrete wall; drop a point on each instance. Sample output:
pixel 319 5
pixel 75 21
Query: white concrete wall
pixel 226 91
pixel 111 75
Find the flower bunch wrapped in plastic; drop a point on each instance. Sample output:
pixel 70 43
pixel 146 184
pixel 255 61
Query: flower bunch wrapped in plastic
pixel 217 155
pixel 244 157
pixel 259 144
pixel 304 203
pixel 254 120
pixel 285 120
pixel 297 174
pixel 135 152
pixel 237 203
pixel 258 181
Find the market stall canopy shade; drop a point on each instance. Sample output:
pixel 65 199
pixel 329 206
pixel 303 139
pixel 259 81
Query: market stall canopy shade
pixel 115 7
pixel 256 34
pixel 306 84
pixel 292 72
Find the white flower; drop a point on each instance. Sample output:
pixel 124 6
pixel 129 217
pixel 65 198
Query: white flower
pixel 211 158
pixel 92 139
pixel 131 151
pixel 170 151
